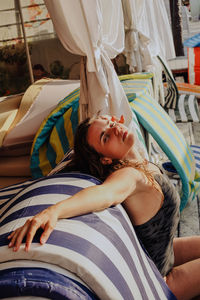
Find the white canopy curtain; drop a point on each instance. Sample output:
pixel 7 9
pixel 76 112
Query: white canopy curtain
pixel 94 29
pixel 148 33
pixel 159 29
pixel 136 42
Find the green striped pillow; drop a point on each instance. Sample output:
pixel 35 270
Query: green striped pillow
pixel 157 122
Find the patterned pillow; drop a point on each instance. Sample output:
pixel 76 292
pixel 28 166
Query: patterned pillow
pixel 55 135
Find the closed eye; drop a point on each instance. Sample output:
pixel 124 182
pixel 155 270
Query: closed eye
pixel 106 137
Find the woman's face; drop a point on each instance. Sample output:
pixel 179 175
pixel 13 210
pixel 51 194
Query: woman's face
pixel 110 138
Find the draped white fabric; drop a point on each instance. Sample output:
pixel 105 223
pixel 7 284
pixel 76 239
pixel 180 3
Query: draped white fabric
pixel 148 33
pixel 136 42
pixel 94 28
pixel 159 29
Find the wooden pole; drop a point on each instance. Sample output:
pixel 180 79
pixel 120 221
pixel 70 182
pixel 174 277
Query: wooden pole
pixel 26 44
pixel 175 9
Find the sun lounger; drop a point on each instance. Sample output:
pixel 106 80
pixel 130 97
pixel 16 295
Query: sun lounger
pixel 96 256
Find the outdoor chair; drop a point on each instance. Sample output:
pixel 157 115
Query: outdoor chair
pixel 179 104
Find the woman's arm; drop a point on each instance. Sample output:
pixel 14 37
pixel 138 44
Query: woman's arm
pixel 115 189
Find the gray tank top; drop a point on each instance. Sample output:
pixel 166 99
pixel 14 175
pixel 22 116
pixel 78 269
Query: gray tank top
pixel 158 233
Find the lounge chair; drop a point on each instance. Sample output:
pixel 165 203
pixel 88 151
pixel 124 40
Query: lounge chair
pixel 94 256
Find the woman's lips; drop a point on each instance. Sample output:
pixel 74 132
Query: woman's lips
pixel 125 135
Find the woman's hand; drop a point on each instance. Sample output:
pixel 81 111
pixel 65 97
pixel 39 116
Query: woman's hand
pixel 46 219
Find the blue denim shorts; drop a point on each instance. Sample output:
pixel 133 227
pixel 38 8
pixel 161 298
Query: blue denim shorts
pixel 40 282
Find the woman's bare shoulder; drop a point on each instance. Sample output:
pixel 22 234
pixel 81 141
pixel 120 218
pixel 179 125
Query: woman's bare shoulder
pixel 125 180
pixel 126 173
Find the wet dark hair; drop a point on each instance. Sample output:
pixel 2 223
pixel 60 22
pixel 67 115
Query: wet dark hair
pixel 87 160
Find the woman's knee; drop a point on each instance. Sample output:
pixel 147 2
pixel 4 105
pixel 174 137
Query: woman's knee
pixel 186 249
pixel 176 281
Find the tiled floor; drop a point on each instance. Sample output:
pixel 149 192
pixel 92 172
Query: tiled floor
pixel 190 219
pixel 190 216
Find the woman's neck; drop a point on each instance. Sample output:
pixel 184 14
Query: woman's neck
pixel 133 154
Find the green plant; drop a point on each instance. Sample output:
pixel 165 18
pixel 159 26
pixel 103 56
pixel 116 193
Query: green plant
pixel 15 53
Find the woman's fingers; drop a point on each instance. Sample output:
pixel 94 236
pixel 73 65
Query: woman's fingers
pixel 33 227
pixel 45 235
pixel 28 229
pixel 18 235
pixel 13 237
pixel 21 234
pixel 46 220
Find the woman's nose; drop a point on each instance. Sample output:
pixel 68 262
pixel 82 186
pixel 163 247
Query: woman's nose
pixel 112 124
pixel 114 128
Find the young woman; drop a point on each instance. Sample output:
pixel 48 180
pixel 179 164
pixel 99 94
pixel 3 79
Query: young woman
pixel 105 148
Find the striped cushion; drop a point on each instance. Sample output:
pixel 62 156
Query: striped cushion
pixel 62 164
pixel 55 136
pixel 171 92
pixel 101 248
pixel 196 153
pixel 137 75
pixel 180 107
pixel 157 122
pixel 187 109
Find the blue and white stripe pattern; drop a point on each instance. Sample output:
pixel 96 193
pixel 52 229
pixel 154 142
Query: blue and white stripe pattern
pixel 100 249
pixel 196 153
pixel 196 183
